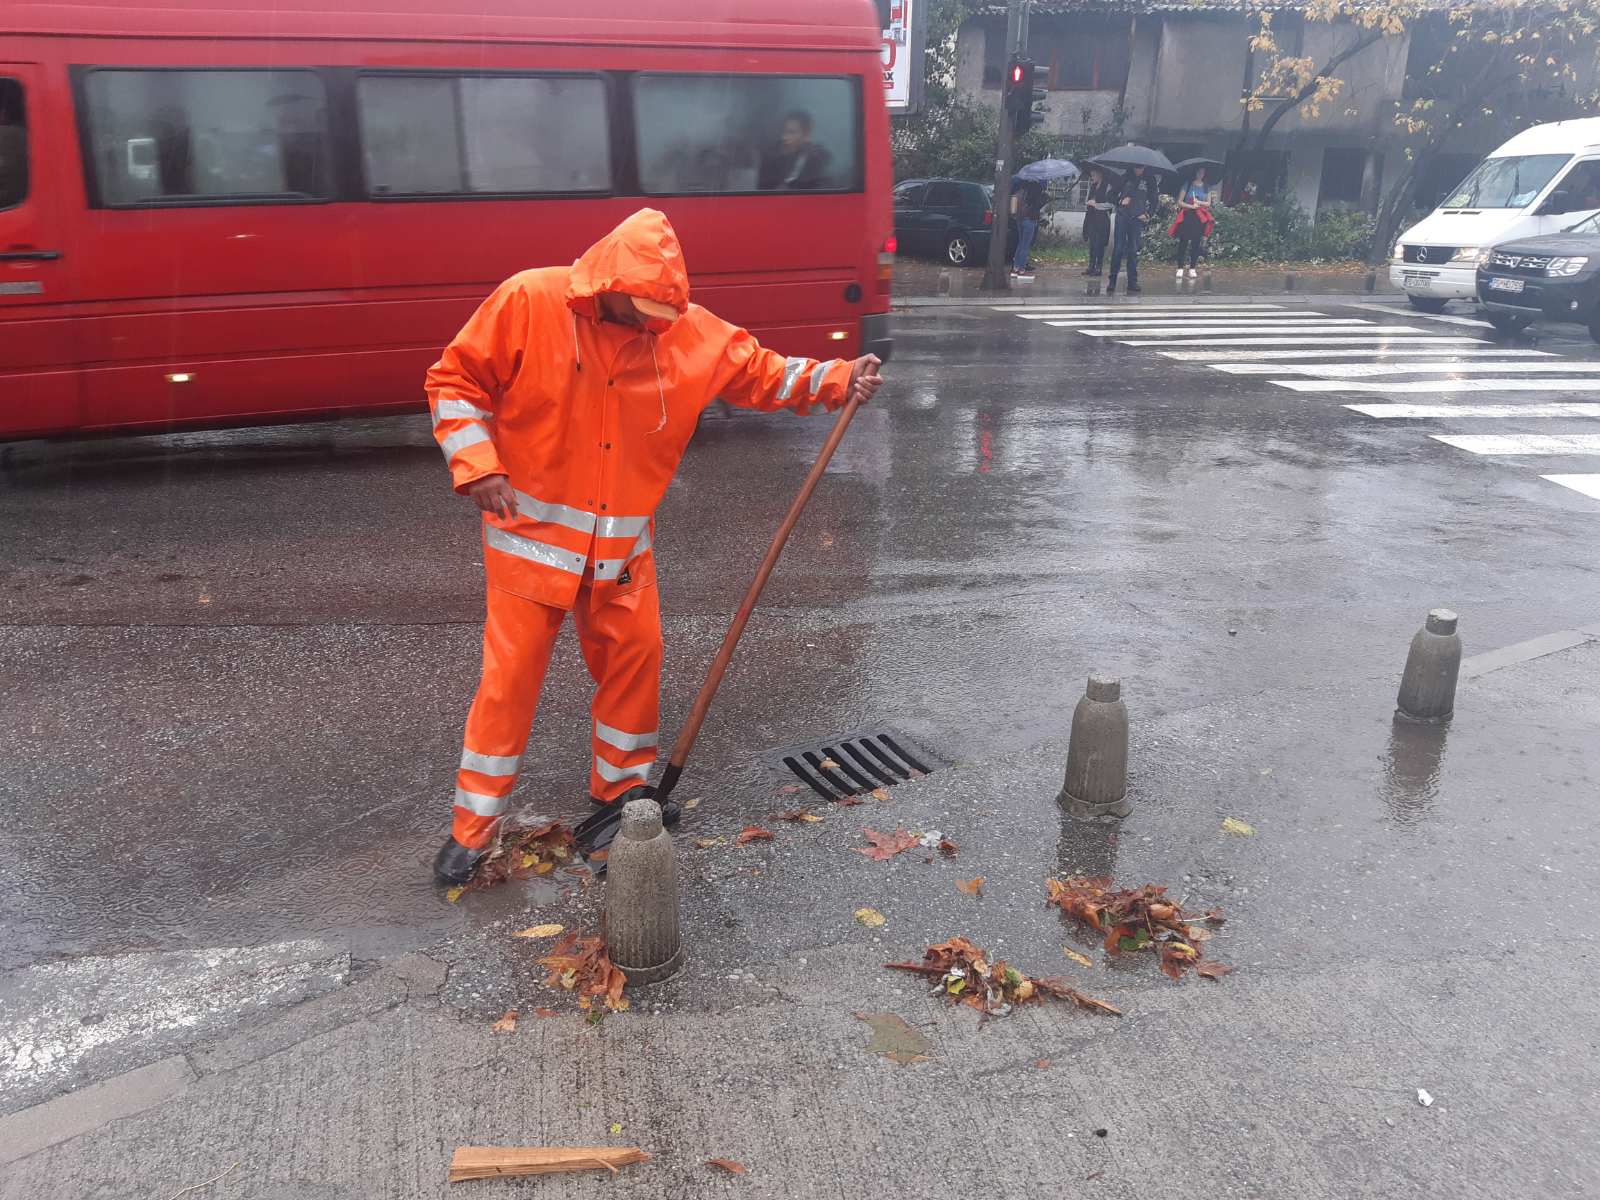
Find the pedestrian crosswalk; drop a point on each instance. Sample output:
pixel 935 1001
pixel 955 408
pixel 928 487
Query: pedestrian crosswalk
pixel 1383 351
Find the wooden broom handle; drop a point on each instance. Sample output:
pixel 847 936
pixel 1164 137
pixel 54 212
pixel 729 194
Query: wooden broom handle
pixel 719 665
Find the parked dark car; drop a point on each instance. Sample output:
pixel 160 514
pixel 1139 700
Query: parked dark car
pixel 1551 278
pixel 949 219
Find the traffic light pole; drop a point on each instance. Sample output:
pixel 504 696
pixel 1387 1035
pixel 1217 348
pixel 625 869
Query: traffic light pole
pixel 998 276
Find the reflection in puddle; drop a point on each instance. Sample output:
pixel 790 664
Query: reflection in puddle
pixel 1411 771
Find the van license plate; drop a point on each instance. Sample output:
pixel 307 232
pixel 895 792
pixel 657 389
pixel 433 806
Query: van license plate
pixel 1415 277
pixel 1496 284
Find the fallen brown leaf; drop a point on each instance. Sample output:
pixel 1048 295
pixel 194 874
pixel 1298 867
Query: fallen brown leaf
pixel 798 815
pixel 970 887
pixel 531 850
pixel 507 1023
pixel 708 842
pixel 966 976
pixel 849 801
pixel 870 917
pixel 829 764
pixel 881 794
pixel 1141 918
pixel 1042 1063
pixel 1212 970
pixel 753 833
pixel 895 1040
pixel 539 931
pixel 948 848
pixel 1083 960
pixel 886 845
pixel 726 1164
pixel 581 964
pixel 545 1012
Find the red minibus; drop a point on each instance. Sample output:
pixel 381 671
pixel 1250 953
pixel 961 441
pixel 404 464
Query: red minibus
pixel 218 212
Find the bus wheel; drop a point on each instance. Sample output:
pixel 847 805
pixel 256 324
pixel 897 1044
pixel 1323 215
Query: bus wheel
pixel 957 250
pixel 1427 304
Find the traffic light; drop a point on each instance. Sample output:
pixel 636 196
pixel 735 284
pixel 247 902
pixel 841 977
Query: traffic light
pixel 1024 99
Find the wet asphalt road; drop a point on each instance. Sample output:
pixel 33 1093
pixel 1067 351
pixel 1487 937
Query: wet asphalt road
pixel 234 666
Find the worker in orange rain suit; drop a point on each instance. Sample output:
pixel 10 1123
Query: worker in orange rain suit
pixel 563 408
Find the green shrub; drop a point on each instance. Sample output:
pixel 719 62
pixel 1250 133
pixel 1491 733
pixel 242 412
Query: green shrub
pixel 1269 233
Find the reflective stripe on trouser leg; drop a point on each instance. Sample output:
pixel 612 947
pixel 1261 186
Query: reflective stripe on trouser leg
pixel 621 642
pixel 518 636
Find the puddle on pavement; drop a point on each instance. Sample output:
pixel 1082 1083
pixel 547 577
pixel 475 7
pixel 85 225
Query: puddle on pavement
pixel 1410 787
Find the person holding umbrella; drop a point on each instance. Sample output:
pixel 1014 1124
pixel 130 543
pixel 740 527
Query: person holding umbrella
pixel 1135 201
pixel 1097 217
pixel 1194 221
pixel 1030 195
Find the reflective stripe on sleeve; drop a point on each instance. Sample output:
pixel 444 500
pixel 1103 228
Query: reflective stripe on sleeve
pixel 613 736
pixel 556 514
pixel 791 372
pixel 459 410
pixel 614 774
pixel 484 806
pixel 820 374
pixel 490 764
pixel 610 568
pixel 461 439
pixel 534 551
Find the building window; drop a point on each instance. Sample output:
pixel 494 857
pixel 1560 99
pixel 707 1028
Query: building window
pixel 13 144
pixel 442 135
pixel 1074 54
pixel 733 134
pixel 1342 172
pixel 194 137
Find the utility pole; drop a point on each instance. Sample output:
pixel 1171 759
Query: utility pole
pixel 998 277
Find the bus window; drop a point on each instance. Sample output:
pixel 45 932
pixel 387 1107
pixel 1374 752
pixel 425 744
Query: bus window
pixel 13 145
pixel 185 137
pixel 747 133
pixel 434 135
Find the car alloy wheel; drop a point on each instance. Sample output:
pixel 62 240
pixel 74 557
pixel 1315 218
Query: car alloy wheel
pixel 957 250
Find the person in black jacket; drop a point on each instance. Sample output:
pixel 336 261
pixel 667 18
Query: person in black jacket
pixel 798 163
pixel 1134 205
pixel 1097 219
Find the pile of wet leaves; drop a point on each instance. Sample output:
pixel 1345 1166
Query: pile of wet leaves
pixel 963 972
pixel 1139 919
pixel 580 964
pixel 530 850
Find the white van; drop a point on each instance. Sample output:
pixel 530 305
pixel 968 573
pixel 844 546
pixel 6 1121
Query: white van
pixel 1541 181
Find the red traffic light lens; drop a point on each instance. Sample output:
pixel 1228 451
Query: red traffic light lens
pixel 1016 74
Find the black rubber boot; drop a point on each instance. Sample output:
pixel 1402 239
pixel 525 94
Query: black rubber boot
pixel 456 864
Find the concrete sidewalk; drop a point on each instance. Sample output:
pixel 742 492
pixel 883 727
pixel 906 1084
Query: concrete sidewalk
pixel 1412 911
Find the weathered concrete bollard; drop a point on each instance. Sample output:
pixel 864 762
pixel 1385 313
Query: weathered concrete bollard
pixel 1205 281
pixel 944 283
pixel 1092 288
pixel 1370 283
pixel 642 934
pixel 1289 281
pixel 1097 754
pixel 1428 686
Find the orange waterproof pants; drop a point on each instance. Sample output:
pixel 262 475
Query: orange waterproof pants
pixel 621 641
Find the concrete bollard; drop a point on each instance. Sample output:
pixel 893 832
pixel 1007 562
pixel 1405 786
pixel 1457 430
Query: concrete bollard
pixel 1428 686
pixel 1097 754
pixel 1289 281
pixel 1205 281
pixel 1370 283
pixel 1092 288
pixel 642 935
pixel 944 283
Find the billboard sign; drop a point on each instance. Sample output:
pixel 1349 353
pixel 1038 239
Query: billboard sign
pixel 902 53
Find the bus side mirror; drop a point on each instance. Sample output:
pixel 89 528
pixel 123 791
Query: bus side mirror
pixel 1559 201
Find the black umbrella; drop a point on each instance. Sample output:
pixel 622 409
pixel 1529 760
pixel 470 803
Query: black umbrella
pixel 1128 156
pixel 1106 169
pixel 1186 168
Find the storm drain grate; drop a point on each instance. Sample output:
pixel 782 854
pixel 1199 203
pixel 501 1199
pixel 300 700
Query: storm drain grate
pixel 857 762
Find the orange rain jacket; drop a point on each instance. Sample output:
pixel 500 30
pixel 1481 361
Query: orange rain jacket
pixel 590 418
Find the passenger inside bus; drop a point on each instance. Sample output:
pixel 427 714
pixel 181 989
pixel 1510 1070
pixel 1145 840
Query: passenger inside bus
pixel 798 164
pixel 13 145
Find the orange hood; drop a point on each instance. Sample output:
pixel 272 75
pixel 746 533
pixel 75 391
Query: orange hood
pixel 640 257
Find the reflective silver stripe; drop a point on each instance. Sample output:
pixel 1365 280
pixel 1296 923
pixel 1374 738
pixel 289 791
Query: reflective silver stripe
pixel 458 410
pixel 613 736
pixel 613 774
pixel 820 373
pixel 461 439
pixel 557 514
pixel 610 568
pixel 484 806
pixel 490 764
pixel 791 372
pixel 622 526
pixel 540 552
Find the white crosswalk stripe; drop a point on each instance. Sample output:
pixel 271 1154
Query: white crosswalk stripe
pixel 1244 325
pixel 1441 385
pixel 1429 412
pixel 1366 370
pixel 1189 329
pixel 1227 360
pixel 1367 338
pixel 1210 314
pixel 1131 306
pixel 1522 443
pixel 1589 485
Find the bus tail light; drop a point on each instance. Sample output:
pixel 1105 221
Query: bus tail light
pixel 886 264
